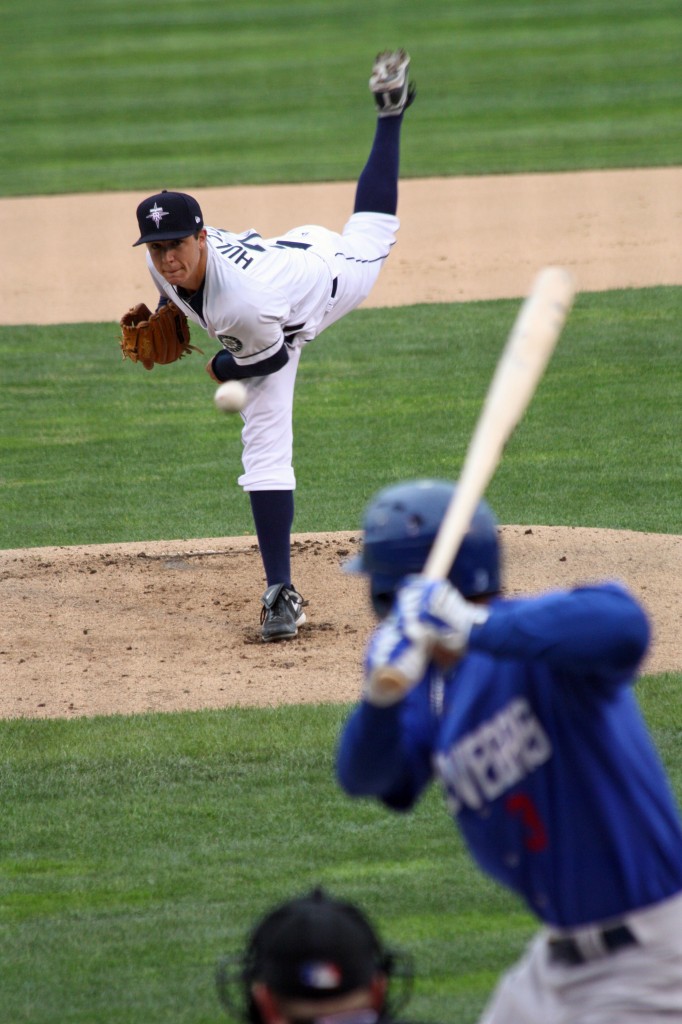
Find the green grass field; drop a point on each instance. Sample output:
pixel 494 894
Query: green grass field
pixel 123 94
pixel 99 451
pixel 135 851
pixel 142 848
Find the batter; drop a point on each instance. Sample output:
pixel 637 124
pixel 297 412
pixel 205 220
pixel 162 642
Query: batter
pixel 524 711
pixel 263 299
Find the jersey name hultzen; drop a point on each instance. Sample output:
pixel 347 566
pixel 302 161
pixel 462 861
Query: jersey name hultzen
pixel 237 254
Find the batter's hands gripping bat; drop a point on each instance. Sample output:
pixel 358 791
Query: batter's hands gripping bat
pixel 522 363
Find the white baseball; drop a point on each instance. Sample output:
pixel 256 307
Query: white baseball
pixel 230 396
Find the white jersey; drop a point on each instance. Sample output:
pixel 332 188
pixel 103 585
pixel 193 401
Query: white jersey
pixel 259 293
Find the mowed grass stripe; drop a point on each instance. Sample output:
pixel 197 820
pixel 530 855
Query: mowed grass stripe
pixel 123 95
pixel 96 450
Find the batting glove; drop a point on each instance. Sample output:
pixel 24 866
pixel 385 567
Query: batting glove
pixel 433 612
pixel 394 665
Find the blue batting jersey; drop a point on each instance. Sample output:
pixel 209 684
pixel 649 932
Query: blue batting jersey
pixel 544 757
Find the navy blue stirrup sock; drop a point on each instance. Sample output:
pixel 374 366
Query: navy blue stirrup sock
pixel 377 189
pixel 273 516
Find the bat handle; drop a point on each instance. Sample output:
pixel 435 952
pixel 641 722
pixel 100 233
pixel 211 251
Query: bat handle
pixel 388 685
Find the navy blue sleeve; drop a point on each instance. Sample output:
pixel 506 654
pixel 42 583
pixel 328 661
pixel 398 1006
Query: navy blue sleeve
pixel 225 366
pixel 599 631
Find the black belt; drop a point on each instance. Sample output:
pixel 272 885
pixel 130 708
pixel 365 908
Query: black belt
pixel 335 283
pixel 569 951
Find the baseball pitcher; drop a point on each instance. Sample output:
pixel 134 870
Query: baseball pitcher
pixel 262 300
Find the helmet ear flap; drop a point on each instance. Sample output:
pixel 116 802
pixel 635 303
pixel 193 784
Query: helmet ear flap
pixel 235 975
pixel 233 979
pixel 398 966
pixel 382 603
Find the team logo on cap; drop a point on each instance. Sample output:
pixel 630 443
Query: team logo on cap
pixel 320 975
pixel 157 213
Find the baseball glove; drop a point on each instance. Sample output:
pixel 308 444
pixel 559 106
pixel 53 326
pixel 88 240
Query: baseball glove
pixel 150 338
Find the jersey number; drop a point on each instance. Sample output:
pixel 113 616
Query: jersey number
pixel 521 805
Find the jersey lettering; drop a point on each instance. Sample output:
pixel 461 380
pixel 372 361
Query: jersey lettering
pixel 493 758
pixel 287 243
pixel 236 253
pixel 248 243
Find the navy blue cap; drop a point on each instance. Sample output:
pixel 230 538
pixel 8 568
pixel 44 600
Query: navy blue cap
pixel 168 215
pixel 315 948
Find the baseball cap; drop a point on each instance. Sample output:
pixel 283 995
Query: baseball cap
pixel 315 948
pixel 168 215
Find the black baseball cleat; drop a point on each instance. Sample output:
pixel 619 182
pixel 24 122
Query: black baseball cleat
pixel 282 612
pixel 393 92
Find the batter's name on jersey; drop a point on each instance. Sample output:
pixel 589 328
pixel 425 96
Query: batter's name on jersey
pixel 494 757
pixel 231 343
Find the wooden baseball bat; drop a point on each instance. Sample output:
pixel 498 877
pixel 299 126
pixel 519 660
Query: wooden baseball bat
pixel 529 346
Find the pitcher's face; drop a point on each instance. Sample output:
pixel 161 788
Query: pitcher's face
pixel 181 261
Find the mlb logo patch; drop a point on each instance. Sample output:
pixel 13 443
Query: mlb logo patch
pixel 320 975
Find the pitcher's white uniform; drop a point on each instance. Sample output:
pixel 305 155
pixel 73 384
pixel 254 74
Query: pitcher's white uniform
pixel 260 294
pixel 263 299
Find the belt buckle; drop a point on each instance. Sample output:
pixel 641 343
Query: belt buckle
pixel 592 945
pixel 618 937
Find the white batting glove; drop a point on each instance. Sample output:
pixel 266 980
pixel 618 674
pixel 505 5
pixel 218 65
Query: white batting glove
pixel 394 665
pixel 433 612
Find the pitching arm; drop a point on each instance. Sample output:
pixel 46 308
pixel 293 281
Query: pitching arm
pixel 224 366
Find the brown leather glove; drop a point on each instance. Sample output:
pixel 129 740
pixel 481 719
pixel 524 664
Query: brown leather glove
pixel 150 338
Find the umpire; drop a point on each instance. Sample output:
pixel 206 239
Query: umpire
pixel 315 958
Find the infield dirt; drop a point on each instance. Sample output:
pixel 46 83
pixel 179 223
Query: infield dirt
pixel 174 625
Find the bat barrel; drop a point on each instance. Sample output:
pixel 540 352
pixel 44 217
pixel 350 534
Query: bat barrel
pixel 522 363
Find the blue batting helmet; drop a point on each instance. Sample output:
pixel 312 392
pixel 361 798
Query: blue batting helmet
pixel 400 526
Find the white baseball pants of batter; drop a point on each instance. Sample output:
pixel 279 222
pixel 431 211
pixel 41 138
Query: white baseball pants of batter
pixel 639 984
pixel 267 435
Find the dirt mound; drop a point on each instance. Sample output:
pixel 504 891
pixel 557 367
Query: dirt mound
pixel 174 625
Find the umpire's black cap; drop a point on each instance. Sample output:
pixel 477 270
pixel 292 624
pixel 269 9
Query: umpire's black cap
pixel 315 948
pixel 168 215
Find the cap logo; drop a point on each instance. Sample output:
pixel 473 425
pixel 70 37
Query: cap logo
pixel 321 975
pixel 157 213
